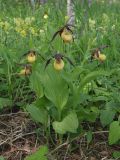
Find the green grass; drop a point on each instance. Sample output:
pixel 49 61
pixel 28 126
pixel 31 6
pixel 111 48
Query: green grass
pixel 90 96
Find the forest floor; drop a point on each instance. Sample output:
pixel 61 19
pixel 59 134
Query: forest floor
pixel 19 138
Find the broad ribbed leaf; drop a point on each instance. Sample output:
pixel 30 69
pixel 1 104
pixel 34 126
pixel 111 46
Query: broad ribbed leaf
pixel 69 124
pixel 114 133
pixel 56 89
pixel 38 114
pixel 106 116
pixel 36 85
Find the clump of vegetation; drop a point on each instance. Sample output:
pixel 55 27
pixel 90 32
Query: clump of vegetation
pixel 77 94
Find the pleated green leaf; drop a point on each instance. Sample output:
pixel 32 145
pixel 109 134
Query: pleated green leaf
pixel 68 124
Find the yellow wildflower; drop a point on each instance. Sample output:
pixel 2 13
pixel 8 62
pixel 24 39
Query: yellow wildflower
pixel 28 20
pixel 5 25
pixel 24 72
pixel 113 27
pixel 102 57
pixel 102 1
pixel 91 23
pixel 99 56
pixel 105 18
pixel 23 33
pixel 59 65
pixel 45 16
pixel 33 18
pixel 41 31
pixel 19 21
pixel 66 36
pixel 31 57
pixel 32 30
pixel 18 29
pixel 1 24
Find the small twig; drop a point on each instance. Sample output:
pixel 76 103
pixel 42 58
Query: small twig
pixel 67 143
pixel 4 124
pixel 100 132
pixel 105 158
pixel 66 152
pixel 22 135
pixel 19 136
pixel 97 132
pixel 4 141
pixel 10 114
pixel 80 148
pixel 3 133
pixel 60 146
